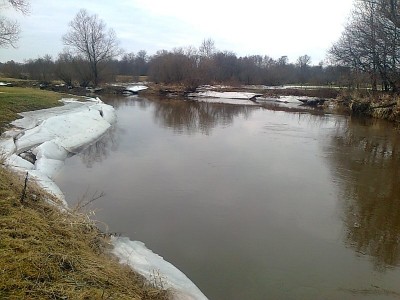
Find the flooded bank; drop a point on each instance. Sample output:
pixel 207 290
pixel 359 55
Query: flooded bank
pixel 251 203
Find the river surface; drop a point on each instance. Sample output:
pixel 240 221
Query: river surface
pixel 250 203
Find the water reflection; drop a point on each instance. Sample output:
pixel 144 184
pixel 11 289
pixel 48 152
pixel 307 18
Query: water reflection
pixel 192 180
pixel 126 101
pixel 184 116
pixel 101 149
pixel 366 158
pixel 192 117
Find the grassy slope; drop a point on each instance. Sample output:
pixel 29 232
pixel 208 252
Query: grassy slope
pixel 46 254
pixel 17 99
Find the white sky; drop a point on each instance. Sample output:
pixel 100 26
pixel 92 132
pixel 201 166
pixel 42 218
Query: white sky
pixel 264 27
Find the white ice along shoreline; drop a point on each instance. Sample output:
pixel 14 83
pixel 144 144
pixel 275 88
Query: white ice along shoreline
pixel 244 98
pixel 43 139
pixel 39 145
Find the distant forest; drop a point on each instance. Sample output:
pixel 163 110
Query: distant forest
pixel 366 55
pixel 188 66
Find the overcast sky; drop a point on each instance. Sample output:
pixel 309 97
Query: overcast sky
pixel 265 27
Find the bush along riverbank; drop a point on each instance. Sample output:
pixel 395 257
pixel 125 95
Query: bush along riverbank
pixel 372 104
pixel 52 253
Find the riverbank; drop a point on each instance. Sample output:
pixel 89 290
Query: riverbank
pixel 377 105
pixel 39 144
pixel 51 253
pixel 361 103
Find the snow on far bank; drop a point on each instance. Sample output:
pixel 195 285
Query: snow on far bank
pixel 226 101
pixel 51 135
pixel 238 98
pixel 286 87
pixel 225 95
pixel 206 94
pixel 136 88
pixel 155 269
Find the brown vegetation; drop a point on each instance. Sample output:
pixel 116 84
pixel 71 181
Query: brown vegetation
pixel 372 104
pixel 49 254
pixel 46 253
pixel 369 45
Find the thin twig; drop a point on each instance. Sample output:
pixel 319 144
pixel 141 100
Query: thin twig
pixel 94 198
pixel 24 190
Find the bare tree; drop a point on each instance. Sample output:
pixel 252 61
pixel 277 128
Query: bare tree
pixel 206 52
pixel 9 29
pixel 89 37
pixel 41 69
pixel 303 65
pixel 207 48
pixel 370 43
pixel 63 67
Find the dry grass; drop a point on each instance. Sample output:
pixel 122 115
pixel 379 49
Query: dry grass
pixel 130 78
pixel 48 254
pixel 314 92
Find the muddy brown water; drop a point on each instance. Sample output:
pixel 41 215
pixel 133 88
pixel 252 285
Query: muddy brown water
pixel 251 203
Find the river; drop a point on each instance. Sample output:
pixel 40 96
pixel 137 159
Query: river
pixel 250 203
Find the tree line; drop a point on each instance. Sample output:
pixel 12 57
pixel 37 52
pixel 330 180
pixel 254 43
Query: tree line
pixel 189 66
pixel 366 55
pixel 92 55
pixel 369 45
pixel 179 66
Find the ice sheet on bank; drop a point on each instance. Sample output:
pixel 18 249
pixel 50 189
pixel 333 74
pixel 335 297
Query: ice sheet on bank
pixel 226 101
pixel 31 119
pixel 18 163
pixel 7 145
pixel 154 267
pixel 287 87
pixel 72 130
pixel 284 99
pixel 52 134
pixel 136 88
pixel 225 95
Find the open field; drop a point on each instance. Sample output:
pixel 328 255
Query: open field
pixel 14 100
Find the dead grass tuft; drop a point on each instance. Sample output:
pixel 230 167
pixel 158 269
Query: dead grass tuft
pixel 48 254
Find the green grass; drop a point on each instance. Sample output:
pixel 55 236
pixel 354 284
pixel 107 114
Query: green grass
pixel 14 100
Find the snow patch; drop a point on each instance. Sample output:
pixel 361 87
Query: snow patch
pixel 53 134
pixel 150 265
pixel 18 163
pixel 226 101
pixel 225 95
pixel 136 88
pixel 7 146
pixel 238 98
pixel 48 185
pixel 50 149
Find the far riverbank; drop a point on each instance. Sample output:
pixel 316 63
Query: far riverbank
pixel 362 103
